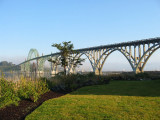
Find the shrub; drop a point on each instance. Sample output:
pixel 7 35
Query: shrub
pixel 31 89
pixel 8 94
pixel 12 92
pixel 71 82
pixel 142 76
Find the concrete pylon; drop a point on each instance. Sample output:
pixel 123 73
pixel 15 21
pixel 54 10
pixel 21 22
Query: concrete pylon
pixel 98 72
pixel 54 71
pixel 40 73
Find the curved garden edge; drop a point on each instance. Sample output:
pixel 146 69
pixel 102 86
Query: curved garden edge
pixel 25 107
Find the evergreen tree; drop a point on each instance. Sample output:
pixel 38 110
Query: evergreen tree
pixel 66 58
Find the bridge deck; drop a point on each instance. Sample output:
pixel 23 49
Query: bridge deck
pixel 131 43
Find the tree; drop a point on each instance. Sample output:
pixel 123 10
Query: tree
pixel 8 66
pixel 66 58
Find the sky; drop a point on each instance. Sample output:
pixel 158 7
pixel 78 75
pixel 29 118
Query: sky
pixel 26 24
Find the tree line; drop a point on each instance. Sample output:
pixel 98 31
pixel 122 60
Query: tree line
pixel 8 66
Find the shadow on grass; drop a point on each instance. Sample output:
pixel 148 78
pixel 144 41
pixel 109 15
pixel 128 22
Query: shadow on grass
pixel 123 88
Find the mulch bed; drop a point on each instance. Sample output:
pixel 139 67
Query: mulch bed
pixel 25 107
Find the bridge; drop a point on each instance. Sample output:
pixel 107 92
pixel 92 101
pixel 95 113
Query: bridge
pixel 136 52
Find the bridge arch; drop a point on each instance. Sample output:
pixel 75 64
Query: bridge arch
pixel 146 56
pixel 125 54
pixel 134 51
pixel 41 63
pixel 87 55
pixel 31 52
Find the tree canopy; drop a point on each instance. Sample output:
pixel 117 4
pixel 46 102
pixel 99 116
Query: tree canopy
pixel 66 55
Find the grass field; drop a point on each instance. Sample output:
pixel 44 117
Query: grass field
pixel 119 100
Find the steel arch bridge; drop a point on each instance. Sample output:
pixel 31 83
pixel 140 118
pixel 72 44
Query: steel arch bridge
pixel 136 52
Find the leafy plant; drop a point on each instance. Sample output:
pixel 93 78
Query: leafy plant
pixel 72 82
pixel 31 89
pixel 8 94
pixel 25 88
pixel 66 58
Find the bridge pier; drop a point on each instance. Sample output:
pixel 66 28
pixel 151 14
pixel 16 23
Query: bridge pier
pixel 40 73
pixel 54 72
pixel 27 73
pixel 136 71
pixel 98 72
pixel 72 70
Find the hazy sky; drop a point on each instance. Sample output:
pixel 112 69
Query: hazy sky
pixel 26 24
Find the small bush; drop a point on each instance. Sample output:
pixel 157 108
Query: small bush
pixel 31 89
pixel 8 94
pixel 142 76
pixel 12 92
pixel 68 83
pixel 71 82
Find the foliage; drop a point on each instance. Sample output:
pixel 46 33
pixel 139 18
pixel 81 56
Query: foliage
pixel 132 76
pixel 66 51
pixel 8 66
pixel 8 94
pixel 119 100
pixel 142 75
pixel 72 82
pixel 31 89
pixel 12 92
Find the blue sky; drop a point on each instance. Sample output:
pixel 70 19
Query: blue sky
pixel 40 23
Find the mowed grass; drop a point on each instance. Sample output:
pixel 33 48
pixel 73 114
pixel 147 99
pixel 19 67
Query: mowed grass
pixel 119 100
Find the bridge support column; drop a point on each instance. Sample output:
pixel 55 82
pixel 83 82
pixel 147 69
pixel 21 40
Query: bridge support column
pixel 67 71
pixel 54 71
pixel 27 73
pixel 22 69
pixel 40 73
pixel 138 70
pixel 98 72
pixel 72 71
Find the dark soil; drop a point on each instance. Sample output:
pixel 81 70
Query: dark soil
pixel 25 107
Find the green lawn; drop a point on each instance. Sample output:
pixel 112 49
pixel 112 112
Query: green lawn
pixel 119 100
